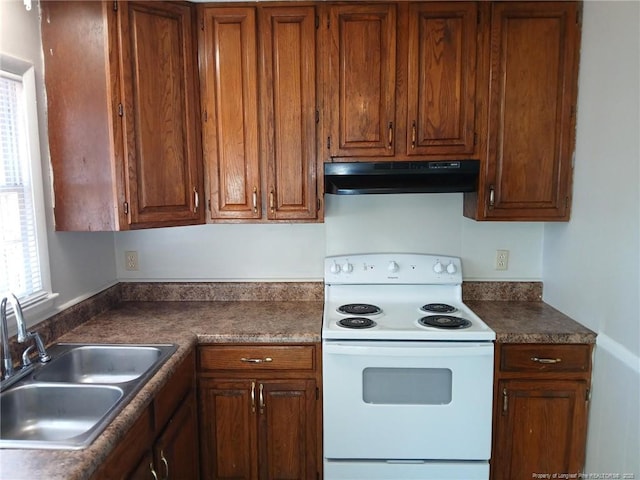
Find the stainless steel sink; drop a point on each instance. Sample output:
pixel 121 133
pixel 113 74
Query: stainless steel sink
pixel 109 364
pixel 67 403
pixel 49 415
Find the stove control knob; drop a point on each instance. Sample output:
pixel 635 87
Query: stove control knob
pixel 451 268
pixel 393 267
pixel 347 267
pixel 335 268
pixel 438 267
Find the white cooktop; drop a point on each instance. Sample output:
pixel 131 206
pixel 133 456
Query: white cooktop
pixel 399 284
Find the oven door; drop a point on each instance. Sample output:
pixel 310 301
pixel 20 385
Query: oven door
pixel 407 400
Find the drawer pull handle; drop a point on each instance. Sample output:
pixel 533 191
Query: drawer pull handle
pixel 256 360
pixel 546 360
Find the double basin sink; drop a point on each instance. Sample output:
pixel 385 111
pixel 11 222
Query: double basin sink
pixel 68 402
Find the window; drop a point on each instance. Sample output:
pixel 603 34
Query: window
pixel 24 261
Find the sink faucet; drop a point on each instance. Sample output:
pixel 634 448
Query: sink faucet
pixel 23 336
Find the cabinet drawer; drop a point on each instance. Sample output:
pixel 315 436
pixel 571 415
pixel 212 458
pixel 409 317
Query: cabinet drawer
pixel 545 358
pixel 251 357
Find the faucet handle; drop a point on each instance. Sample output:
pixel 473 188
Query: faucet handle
pixel 26 361
pixel 43 356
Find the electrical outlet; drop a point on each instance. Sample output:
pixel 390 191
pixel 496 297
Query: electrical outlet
pixel 502 259
pixel 131 260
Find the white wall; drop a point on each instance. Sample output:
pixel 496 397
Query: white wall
pixel 224 252
pixel 431 223
pixel 81 264
pixel 591 264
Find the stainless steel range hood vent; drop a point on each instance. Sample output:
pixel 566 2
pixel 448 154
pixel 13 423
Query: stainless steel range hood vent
pixel 358 178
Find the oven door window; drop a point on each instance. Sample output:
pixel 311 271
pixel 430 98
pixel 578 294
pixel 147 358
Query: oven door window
pixel 406 386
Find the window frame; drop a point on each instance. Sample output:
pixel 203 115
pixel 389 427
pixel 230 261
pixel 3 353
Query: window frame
pixel 37 303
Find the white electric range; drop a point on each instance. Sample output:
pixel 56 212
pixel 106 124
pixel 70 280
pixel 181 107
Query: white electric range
pixel 407 371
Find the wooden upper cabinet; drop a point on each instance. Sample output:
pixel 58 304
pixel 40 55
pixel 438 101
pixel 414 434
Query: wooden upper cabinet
pixel 123 127
pixel 361 80
pixel 441 91
pixel 161 113
pixel 402 96
pixel 288 88
pixel 532 97
pixel 228 76
pixel 260 157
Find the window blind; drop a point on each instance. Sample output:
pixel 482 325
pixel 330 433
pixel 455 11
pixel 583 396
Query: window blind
pixel 20 271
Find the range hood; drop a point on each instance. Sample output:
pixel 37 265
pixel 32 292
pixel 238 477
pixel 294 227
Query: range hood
pixel 358 178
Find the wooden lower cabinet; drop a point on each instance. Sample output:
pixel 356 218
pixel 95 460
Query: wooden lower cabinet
pixel 258 420
pixel 161 444
pixel 176 450
pixel 540 410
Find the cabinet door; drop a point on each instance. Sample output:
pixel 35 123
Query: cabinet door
pixel 228 429
pixel 287 433
pixel 177 448
pixel 540 428
pixel 228 77
pixel 161 114
pixel 289 104
pixel 534 52
pixel 441 78
pixel 361 80
pixel 132 458
pixel 84 129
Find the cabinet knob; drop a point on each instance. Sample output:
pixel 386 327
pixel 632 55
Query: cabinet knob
pixel 492 196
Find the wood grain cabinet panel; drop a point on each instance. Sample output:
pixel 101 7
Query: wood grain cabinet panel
pixel 540 409
pixel 288 86
pixel 534 50
pixel 123 122
pixel 228 76
pixel 541 429
pixel 442 78
pixel 161 443
pixel 161 112
pixel 259 423
pixel 401 81
pixel 258 81
pixel 361 80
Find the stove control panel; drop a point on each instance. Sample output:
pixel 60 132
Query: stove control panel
pixel 385 268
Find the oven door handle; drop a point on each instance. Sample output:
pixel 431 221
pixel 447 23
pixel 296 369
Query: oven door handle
pixel 406 349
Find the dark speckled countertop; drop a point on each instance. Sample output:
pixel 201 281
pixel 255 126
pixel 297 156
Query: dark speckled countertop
pixel 188 323
pixel 530 322
pixel 182 323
